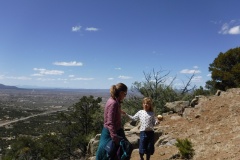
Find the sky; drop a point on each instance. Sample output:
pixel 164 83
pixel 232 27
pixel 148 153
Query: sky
pixel 94 44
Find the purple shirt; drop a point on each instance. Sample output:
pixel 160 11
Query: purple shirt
pixel 112 118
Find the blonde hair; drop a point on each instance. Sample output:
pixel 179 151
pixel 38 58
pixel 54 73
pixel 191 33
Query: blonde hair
pixel 116 89
pixel 148 100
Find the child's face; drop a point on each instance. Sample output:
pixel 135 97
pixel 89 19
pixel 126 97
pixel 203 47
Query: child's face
pixel 146 105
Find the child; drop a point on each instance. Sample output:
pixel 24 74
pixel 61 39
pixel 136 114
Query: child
pixel 147 120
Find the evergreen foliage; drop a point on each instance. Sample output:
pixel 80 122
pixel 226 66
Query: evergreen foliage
pixel 201 91
pixel 24 148
pixel 225 71
pixel 79 126
pixel 76 127
pixel 155 87
pixel 185 148
pixel 50 145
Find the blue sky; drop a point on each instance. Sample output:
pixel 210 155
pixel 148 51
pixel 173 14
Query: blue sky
pixel 94 44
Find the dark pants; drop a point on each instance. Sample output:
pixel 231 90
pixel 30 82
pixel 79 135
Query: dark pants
pixel 146 145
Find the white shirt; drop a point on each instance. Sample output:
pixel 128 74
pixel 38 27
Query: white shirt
pixel 147 120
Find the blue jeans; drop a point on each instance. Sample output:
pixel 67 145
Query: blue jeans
pixel 146 144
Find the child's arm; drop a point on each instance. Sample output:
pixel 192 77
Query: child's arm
pixel 158 119
pixel 134 118
pixel 154 120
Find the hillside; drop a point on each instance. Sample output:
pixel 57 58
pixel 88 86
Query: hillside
pixel 2 86
pixel 213 126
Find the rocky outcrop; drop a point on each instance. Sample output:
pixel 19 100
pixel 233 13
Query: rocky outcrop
pixel 177 106
pixel 132 133
pixel 93 146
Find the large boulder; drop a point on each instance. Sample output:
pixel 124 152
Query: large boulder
pixel 132 136
pixel 177 106
pixel 93 145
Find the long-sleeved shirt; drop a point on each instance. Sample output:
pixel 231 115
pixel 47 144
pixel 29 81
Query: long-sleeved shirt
pixel 147 120
pixel 112 118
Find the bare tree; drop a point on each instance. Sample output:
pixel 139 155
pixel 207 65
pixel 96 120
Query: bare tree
pixel 186 88
pixel 157 87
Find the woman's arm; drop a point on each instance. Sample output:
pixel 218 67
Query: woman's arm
pixel 111 116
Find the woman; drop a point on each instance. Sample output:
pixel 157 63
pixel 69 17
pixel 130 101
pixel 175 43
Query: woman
pixel 112 129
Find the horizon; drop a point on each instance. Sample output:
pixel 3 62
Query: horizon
pixel 54 88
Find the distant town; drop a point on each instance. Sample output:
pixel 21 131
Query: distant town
pixel 29 111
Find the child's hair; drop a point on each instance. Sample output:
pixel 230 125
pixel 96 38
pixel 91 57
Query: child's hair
pixel 149 102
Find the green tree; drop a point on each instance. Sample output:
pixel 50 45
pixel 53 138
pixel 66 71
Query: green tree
pixel 83 122
pixel 155 86
pixel 225 71
pixel 201 91
pixel 76 127
pixel 25 148
pixel 50 145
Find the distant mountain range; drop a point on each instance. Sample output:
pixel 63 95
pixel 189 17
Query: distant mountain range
pixel 2 86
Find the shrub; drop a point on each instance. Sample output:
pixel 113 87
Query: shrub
pixel 185 148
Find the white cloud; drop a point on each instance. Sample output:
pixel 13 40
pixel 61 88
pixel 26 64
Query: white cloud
pixel 224 29
pixel 178 85
pixel 110 79
pixel 61 79
pixel 195 67
pixel 190 71
pixel 92 29
pixel 19 78
pixel 15 78
pixel 232 27
pixel 82 79
pixel 124 77
pixel 71 76
pixel 43 71
pixel 73 63
pixel 76 28
pixel 170 80
pixel 216 22
pixel 37 75
pixel 209 75
pixel 118 68
pixel 197 79
pixel 45 79
pixel 234 30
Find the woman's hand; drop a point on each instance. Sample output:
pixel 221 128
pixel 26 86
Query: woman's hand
pixel 122 112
